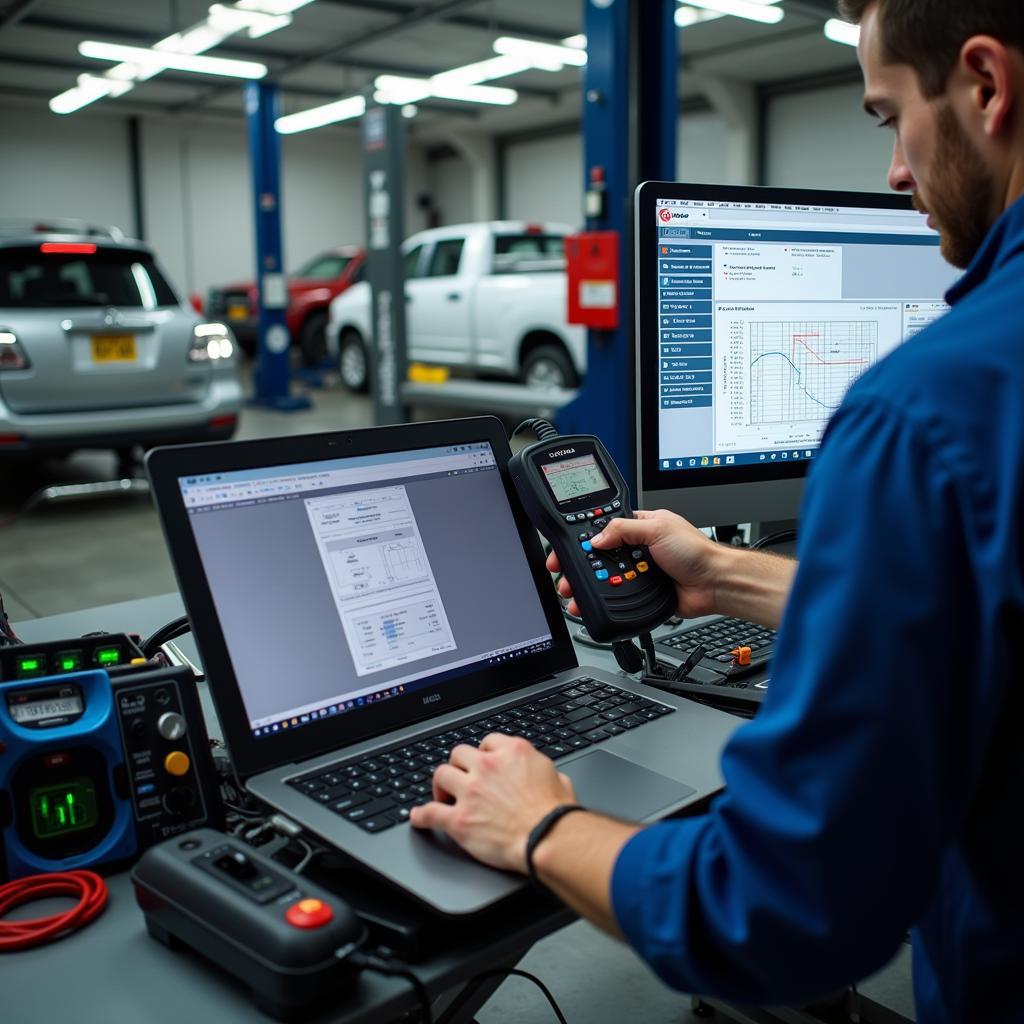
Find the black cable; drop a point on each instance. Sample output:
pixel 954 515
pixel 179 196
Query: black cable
pixel 773 538
pixel 501 972
pixel 394 968
pixel 169 631
pixel 650 655
pixel 683 670
pixel 543 429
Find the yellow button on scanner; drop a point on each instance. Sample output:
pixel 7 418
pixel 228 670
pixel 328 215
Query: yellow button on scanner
pixel 630 575
pixel 642 567
pixel 177 763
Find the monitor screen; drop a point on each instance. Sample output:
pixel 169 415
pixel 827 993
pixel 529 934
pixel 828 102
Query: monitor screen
pixel 757 309
pixel 343 583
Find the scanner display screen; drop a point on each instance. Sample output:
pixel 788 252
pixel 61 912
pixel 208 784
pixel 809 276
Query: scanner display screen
pixel 575 478
pixel 69 806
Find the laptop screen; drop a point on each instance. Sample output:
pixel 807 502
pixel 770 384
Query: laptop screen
pixel 343 583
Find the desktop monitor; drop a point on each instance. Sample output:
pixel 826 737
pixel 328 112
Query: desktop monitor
pixel 756 309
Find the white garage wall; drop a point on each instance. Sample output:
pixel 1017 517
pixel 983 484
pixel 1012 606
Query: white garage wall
pixel 59 167
pixel 823 139
pixel 449 183
pixel 197 191
pixel 544 178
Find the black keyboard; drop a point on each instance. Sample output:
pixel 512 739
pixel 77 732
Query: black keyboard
pixel 378 790
pixel 721 637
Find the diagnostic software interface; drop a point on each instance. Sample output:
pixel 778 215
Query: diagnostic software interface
pixel 350 581
pixel 769 312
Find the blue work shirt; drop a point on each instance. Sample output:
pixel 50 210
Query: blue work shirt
pixel 881 787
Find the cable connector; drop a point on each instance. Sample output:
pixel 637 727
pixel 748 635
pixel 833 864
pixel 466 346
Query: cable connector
pixel 285 826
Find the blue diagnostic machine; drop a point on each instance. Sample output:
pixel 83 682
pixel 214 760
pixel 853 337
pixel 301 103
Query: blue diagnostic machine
pixel 62 775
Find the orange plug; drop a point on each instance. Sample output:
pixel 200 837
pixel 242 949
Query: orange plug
pixel 741 654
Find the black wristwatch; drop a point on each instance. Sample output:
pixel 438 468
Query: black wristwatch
pixel 540 830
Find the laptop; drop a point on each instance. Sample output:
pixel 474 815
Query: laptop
pixel 365 600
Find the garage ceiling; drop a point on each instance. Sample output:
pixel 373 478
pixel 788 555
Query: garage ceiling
pixel 334 48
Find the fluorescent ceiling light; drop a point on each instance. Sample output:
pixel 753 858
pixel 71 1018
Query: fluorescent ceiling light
pixel 103 85
pixel 276 7
pixel 147 59
pixel 81 96
pixel 400 90
pixel 577 42
pixel 753 11
pixel 546 56
pixel 317 117
pixel 484 70
pixel 239 19
pixel 687 16
pixel 842 32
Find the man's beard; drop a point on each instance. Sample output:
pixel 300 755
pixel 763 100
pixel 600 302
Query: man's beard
pixel 962 205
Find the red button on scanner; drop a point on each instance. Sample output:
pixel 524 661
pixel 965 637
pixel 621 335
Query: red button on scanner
pixel 616 581
pixel 309 914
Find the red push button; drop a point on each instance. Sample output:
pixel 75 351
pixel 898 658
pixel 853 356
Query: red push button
pixel 309 914
pixel 616 581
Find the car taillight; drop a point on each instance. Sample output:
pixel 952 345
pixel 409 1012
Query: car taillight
pixel 211 343
pixel 12 355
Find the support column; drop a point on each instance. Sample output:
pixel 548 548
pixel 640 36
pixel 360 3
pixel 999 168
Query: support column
pixel 630 109
pixel 272 376
pixel 384 172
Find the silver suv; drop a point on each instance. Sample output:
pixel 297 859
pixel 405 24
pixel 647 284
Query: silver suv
pixel 97 350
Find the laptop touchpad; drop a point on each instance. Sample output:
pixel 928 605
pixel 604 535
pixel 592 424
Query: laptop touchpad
pixel 620 788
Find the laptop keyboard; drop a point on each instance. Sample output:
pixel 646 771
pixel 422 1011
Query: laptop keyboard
pixel 377 791
pixel 721 637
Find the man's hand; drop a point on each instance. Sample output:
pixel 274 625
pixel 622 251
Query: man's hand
pixel 680 550
pixel 488 799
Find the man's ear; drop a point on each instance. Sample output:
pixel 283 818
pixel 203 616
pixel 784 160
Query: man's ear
pixel 990 70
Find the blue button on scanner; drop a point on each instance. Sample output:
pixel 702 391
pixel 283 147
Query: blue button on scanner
pixel 587 546
pixel 601 574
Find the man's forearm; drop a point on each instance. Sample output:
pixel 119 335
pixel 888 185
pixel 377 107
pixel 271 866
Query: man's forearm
pixel 753 585
pixel 575 861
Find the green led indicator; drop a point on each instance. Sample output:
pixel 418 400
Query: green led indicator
pixel 69 661
pixel 108 656
pixel 29 664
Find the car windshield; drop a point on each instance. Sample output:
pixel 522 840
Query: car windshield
pixel 324 268
pixel 33 278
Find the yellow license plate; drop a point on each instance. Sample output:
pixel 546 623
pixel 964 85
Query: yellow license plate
pixel 114 348
pixel 238 312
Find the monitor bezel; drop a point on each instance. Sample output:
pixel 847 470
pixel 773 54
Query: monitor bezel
pixel 251 754
pixel 651 477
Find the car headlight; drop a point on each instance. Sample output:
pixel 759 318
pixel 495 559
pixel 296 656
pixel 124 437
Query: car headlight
pixel 12 355
pixel 211 343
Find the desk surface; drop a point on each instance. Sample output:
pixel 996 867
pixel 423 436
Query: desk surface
pixel 115 966
pixel 113 971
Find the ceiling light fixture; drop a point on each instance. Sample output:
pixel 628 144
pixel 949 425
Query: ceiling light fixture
pixel 148 58
pixel 842 32
pixel 766 13
pixel 317 117
pixel 254 17
pixel 543 56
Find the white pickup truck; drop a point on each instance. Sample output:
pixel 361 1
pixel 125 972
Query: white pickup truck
pixel 480 298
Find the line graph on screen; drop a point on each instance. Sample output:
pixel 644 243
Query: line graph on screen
pixel 800 370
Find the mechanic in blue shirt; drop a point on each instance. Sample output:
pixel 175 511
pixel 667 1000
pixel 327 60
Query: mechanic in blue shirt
pixel 882 785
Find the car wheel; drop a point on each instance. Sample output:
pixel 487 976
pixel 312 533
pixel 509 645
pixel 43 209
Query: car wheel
pixel 548 366
pixel 353 365
pixel 313 339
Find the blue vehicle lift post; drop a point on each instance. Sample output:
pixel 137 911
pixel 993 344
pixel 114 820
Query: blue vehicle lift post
pixel 630 111
pixel 272 377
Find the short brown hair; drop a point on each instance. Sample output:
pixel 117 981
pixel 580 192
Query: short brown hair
pixel 928 34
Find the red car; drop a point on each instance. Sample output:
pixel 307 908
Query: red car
pixel 310 291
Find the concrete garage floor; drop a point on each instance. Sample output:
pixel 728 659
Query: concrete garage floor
pixel 65 557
